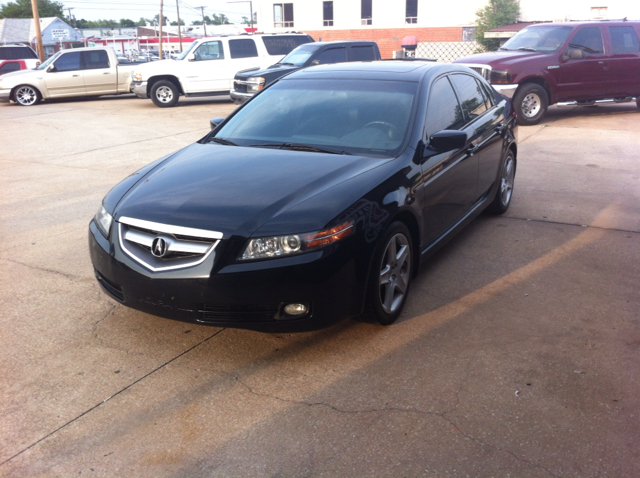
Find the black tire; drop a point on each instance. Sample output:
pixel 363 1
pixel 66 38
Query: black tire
pixel 26 95
pixel 390 276
pixel 164 94
pixel 503 196
pixel 531 102
pixel 638 102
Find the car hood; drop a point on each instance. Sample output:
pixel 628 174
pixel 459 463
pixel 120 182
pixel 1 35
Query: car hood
pixel 503 59
pixel 236 190
pixel 277 69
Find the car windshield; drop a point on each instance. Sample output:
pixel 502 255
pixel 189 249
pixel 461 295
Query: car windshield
pixel 366 117
pixel 48 61
pixel 545 39
pixel 299 56
pixel 184 54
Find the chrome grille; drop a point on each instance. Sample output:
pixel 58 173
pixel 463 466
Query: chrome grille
pixel 483 70
pixel 161 247
pixel 240 86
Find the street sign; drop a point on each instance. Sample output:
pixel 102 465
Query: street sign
pixel 60 34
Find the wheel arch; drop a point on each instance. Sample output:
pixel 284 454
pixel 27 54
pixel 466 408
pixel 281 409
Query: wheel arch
pixel 12 95
pixel 173 79
pixel 538 81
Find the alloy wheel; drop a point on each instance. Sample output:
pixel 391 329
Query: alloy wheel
pixel 506 182
pixel 395 273
pixel 26 95
pixel 531 105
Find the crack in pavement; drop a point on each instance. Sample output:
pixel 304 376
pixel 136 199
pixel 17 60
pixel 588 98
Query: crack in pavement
pixel 571 224
pixel 393 409
pixel 110 397
pixel 71 277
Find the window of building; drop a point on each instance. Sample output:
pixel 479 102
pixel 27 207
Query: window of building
pixel 412 11
pixel 624 40
pixel 598 13
pixel 327 14
pixel 244 48
pixel 283 15
pixel 366 12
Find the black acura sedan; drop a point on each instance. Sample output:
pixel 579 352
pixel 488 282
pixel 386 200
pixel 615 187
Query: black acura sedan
pixel 315 201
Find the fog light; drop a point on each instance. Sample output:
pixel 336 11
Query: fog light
pixel 295 309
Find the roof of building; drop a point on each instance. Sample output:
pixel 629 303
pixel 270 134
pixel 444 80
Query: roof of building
pixel 19 30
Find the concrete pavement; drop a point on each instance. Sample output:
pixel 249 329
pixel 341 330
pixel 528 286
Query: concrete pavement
pixel 518 353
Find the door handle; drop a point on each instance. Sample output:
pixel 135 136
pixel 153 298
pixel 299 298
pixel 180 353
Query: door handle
pixel 472 148
pixel 501 128
pixel 106 73
pixel 75 76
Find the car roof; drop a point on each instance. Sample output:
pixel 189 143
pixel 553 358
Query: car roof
pixel 398 70
pixel 319 44
pixel 593 23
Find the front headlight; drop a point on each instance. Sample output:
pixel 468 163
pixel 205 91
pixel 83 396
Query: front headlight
pixel 136 76
pixel 279 246
pixel 103 220
pixel 255 84
pixel 499 77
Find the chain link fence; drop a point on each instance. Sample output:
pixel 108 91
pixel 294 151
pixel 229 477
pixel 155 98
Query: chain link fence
pixel 446 52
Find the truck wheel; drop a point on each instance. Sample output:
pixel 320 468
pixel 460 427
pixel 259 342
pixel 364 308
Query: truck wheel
pixel 26 95
pixel 164 94
pixel 531 102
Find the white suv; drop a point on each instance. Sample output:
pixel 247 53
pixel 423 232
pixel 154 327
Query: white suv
pixel 17 57
pixel 208 67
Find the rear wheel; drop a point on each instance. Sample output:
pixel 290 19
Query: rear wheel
pixel 531 102
pixel 164 94
pixel 502 200
pixel 26 95
pixel 390 276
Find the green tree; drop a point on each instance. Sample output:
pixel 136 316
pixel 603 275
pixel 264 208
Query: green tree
pixel 22 9
pixel 496 14
pixel 126 23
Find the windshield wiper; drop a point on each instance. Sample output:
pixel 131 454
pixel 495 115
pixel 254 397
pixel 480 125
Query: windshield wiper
pixel 297 147
pixel 527 48
pixel 286 63
pixel 505 49
pixel 223 141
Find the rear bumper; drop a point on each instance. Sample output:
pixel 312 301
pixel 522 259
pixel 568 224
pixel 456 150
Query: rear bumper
pixel 240 98
pixel 5 94
pixel 139 88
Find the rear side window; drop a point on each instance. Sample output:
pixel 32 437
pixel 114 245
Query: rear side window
pixel 94 60
pixel 332 55
pixel 589 40
pixel 68 62
pixel 471 97
pixel 361 53
pixel 624 40
pixel 9 67
pixel 244 48
pixel 283 44
pixel 17 53
pixel 443 110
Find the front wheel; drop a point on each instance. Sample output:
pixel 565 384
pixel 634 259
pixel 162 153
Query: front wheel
pixel 531 102
pixel 164 94
pixel 390 276
pixel 502 200
pixel 26 95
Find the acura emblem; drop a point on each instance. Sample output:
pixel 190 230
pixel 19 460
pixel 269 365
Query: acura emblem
pixel 159 247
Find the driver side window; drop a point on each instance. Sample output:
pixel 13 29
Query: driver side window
pixel 68 62
pixel 589 40
pixel 212 50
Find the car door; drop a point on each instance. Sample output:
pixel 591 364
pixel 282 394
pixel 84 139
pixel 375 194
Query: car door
pixel 584 78
pixel 449 178
pixel 484 129
pixel 99 77
pixel 624 61
pixel 209 70
pixel 65 76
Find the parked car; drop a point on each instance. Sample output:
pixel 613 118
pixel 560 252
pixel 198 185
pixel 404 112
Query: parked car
pixel 22 53
pixel 562 62
pixel 207 68
pixel 7 66
pixel 78 72
pixel 247 83
pixel 313 202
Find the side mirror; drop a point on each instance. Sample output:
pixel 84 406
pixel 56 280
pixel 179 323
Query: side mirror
pixel 573 54
pixel 191 57
pixel 447 140
pixel 215 122
pixel 315 63
pixel 51 68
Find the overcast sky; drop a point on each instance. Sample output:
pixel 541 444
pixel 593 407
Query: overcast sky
pixel 134 9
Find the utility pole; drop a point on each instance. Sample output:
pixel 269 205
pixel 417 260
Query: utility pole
pixel 179 25
pixel 250 2
pixel 203 22
pixel 36 20
pixel 160 21
pixel 71 17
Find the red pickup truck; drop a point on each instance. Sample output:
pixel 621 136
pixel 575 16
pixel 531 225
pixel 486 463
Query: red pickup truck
pixel 550 63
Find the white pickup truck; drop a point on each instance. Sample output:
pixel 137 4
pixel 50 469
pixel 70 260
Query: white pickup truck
pixel 208 67
pixel 79 72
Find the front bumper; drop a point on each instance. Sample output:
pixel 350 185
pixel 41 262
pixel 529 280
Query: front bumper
pixel 506 90
pixel 239 97
pixel 248 295
pixel 5 94
pixel 139 88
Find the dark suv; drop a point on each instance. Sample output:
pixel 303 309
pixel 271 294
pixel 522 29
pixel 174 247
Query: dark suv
pixel 248 82
pixel 561 62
